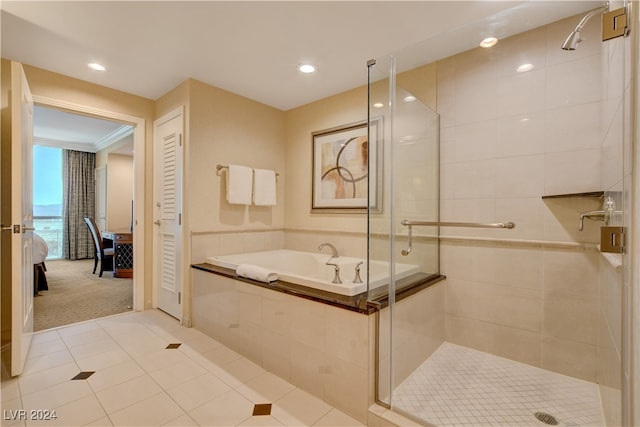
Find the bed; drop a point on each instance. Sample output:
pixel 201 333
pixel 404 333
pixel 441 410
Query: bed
pixel 40 252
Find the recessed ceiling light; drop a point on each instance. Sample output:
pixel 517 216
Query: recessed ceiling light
pixel 409 98
pixel 96 66
pixel 378 105
pixel 524 68
pixel 489 42
pixel 306 68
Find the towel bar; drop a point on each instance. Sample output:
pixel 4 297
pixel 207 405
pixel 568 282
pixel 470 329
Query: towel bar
pixel 220 167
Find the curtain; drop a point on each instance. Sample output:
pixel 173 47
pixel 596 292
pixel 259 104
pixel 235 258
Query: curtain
pixel 78 201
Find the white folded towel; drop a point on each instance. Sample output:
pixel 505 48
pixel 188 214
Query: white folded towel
pixel 256 273
pixel 264 187
pixel 239 185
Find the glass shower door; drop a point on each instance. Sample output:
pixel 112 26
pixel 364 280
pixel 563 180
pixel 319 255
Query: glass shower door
pixel 409 174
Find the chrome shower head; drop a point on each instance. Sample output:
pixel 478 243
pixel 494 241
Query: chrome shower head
pixel 574 38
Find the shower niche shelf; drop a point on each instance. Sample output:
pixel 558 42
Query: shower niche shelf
pixel 563 196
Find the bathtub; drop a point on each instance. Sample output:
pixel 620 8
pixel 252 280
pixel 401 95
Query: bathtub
pixel 309 269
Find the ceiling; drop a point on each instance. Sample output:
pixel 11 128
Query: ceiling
pixel 252 48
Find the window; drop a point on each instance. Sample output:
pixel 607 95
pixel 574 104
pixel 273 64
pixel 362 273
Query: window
pixel 47 197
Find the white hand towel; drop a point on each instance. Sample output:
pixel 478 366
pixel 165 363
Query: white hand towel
pixel 264 187
pixel 256 273
pixel 239 185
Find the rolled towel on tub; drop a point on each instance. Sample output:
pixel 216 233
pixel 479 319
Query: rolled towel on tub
pixel 256 273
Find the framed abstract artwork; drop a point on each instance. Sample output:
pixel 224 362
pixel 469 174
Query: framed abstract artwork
pixel 344 159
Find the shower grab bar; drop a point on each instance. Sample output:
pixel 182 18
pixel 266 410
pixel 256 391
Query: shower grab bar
pixel 411 224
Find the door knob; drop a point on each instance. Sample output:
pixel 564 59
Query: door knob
pixel 156 222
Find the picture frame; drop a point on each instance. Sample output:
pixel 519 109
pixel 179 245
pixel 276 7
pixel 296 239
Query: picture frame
pixel 343 159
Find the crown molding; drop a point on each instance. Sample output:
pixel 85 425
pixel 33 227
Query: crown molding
pixel 113 137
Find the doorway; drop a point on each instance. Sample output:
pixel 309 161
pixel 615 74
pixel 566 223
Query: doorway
pixel 122 146
pixel 71 155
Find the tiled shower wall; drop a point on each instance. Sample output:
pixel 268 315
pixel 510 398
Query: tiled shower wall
pixel 507 139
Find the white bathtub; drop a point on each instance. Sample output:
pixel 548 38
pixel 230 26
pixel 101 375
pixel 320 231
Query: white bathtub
pixel 309 269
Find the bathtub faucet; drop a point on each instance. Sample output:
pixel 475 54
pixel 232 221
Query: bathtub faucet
pixel 334 251
pixel 336 269
pixel 357 279
pixel 334 254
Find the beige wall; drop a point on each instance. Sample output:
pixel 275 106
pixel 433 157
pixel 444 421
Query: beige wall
pixel 227 128
pixel 345 108
pixel 119 191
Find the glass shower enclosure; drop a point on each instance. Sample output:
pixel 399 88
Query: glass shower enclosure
pixel 488 159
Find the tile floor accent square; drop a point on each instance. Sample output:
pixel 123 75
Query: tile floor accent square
pixel 173 346
pixel 83 375
pixel 262 409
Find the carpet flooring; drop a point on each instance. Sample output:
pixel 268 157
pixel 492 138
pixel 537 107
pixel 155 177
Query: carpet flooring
pixel 76 295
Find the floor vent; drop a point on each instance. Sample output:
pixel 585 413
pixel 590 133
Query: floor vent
pixel 546 418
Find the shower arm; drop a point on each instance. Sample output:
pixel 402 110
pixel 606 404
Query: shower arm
pixel 411 224
pixel 572 40
pixel 588 16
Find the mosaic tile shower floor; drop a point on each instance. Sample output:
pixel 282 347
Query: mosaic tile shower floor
pixel 459 386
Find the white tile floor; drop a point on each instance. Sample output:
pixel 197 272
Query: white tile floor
pixel 464 387
pixel 138 382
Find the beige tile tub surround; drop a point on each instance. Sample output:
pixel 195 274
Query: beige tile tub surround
pixel 275 330
pixel 325 350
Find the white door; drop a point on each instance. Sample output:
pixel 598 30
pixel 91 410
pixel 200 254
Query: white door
pixel 21 218
pixel 168 160
pixel 101 197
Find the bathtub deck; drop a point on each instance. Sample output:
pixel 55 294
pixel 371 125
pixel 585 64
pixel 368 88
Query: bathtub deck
pixel 359 303
pixel 462 386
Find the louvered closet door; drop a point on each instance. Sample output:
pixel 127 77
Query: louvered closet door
pixel 168 146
